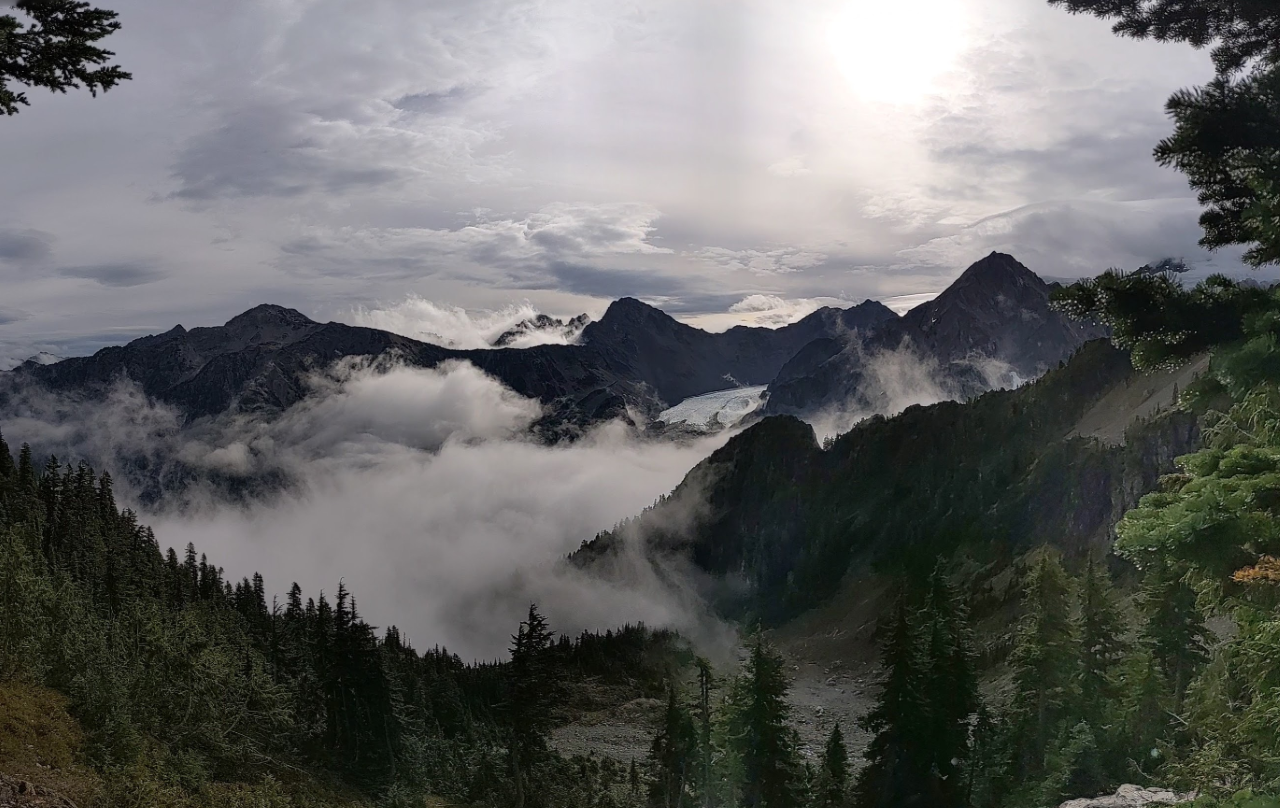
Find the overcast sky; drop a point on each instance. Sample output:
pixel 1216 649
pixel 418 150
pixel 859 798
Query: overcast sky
pixel 338 156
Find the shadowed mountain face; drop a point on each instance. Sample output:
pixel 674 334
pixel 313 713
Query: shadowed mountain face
pixel 777 520
pixel 993 327
pixel 676 361
pixel 634 357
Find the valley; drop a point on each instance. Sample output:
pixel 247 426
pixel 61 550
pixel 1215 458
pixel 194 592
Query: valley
pixel 742 542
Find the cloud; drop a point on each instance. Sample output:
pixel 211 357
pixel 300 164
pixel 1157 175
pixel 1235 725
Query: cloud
pixel 272 151
pixel 8 315
pixel 1075 239
pixel 330 154
pixel 893 379
pixel 772 310
pixel 577 248
pixel 760 261
pixel 25 246
pixel 901 304
pixel 122 274
pixel 414 486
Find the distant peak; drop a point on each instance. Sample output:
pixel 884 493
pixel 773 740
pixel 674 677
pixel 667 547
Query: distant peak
pixel 269 313
pixel 874 307
pixel 629 308
pixel 997 269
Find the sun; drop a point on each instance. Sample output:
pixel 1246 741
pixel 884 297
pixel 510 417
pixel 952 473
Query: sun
pixel 895 51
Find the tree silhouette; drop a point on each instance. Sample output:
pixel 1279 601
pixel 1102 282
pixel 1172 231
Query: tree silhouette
pixel 54 49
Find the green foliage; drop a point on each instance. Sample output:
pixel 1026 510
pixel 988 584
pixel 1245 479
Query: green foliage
pixel 1100 630
pixel 55 50
pixel 922 720
pixel 831 786
pixel 1239 31
pixel 1156 319
pixel 1227 141
pixel 764 746
pixel 198 691
pixel 673 758
pixel 897 755
pixel 1043 663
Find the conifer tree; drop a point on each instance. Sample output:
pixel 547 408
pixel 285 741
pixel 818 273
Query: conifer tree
pixel 1100 628
pixel 897 756
pixel 765 746
pixel 831 786
pixel 1227 134
pixel 705 750
pixel 26 469
pixel 1174 632
pixel 54 50
pixel 7 469
pixel 673 758
pixel 530 694
pixel 949 689
pixel 1044 666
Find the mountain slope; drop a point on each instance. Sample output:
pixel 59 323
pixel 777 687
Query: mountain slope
pixel 780 519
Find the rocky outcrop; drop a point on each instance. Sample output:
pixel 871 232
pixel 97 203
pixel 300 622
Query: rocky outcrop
pixel 1131 796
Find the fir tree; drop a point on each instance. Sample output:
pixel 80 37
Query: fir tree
pixel 765 745
pixel 949 689
pixel 1227 135
pixel 831 786
pixel 1174 632
pixel 530 694
pixel 673 758
pixel 1100 629
pixel 1043 662
pixel 897 757
pixel 705 751
pixel 55 51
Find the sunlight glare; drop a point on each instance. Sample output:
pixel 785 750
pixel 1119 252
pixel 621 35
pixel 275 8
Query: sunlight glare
pixel 896 50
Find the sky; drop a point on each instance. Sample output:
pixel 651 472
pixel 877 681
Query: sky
pixel 726 160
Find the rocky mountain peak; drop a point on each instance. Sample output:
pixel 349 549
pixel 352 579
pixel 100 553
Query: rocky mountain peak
pixel 870 311
pixel 269 314
pixel 551 328
pixel 996 272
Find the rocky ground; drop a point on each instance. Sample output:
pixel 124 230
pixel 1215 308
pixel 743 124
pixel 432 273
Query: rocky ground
pixel 822 695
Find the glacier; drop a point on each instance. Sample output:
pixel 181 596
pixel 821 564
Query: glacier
pixel 728 407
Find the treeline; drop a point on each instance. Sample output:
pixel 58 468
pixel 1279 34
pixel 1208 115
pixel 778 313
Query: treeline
pixel 182 679
pixel 1088 704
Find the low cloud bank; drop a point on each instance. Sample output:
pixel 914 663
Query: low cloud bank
pixel 902 377
pixel 456 327
pixel 417 487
